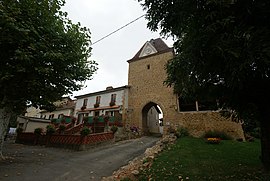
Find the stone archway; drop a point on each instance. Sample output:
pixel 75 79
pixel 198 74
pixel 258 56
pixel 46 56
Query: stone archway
pixel 146 89
pixel 152 118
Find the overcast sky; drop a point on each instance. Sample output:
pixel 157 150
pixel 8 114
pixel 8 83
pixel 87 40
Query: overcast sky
pixel 112 53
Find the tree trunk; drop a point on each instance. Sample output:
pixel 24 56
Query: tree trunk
pixel 4 121
pixel 265 137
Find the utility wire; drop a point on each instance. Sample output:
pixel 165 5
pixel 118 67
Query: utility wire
pixel 118 29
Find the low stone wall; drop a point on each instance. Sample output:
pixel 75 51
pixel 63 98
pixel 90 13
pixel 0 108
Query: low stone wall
pixel 198 123
pixel 75 142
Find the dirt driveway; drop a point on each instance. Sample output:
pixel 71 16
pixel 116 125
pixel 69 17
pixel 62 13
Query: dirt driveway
pixel 37 163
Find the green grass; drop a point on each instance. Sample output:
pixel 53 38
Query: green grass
pixel 195 160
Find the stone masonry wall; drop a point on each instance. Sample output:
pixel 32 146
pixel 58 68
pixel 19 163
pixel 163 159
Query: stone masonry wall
pixel 146 85
pixel 200 122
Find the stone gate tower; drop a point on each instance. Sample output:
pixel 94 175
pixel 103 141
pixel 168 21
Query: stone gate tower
pixel 148 98
pixel 146 76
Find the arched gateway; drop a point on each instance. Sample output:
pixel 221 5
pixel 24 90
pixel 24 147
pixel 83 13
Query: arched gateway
pixel 148 97
pixel 147 92
pixel 152 119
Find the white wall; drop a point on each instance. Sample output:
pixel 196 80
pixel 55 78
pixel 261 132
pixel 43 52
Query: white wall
pixel 31 126
pixel 153 120
pixel 32 112
pixel 67 112
pixel 121 99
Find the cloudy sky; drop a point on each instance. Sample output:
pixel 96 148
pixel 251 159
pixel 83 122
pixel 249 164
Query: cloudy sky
pixel 112 53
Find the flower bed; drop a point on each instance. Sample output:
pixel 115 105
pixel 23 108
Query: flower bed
pixel 213 140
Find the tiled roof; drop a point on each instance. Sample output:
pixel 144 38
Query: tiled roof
pixel 158 44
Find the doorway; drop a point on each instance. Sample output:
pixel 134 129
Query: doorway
pixel 152 119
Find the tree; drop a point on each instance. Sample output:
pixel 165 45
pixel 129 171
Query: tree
pixel 43 56
pixel 222 52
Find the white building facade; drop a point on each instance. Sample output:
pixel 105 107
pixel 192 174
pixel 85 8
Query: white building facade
pixel 65 107
pixel 111 102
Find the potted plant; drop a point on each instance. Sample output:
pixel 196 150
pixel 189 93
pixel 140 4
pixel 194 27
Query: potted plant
pixel 53 121
pixel 50 129
pixel 85 131
pixel 62 128
pixel 112 103
pixel 38 131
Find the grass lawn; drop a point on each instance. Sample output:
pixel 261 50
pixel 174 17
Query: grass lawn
pixel 195 160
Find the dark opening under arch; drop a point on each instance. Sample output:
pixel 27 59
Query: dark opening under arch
pixel 152 119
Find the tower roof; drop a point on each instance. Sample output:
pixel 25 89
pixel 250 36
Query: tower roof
pixel 152 47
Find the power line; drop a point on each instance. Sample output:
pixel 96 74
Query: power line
pixel 118 29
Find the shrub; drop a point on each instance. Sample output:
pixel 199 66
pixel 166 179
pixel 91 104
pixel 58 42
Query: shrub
pixel 19 130
pixel 256 133
pixel 217 134
pixel 114 129
pixel 181 132
pixel 50 129
pixel 53 121
pixel 85 131
pixel 38 131
pixel 62 127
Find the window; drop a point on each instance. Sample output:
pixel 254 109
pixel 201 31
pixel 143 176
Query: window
pixel 112 113
pixel 80 118
pixel 113 98
pixel 51 116
pixel 98 99
pixel 96 113
pixel 85 102
pixel 148 66
pixel 208 105
pixel 60 116
pixel 193 105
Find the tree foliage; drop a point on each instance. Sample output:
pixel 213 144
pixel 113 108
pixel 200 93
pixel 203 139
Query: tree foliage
pixel 43 54
pixel 222 51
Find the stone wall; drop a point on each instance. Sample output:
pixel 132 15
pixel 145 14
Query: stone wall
pixel 146 80
pixel 146 85
pixel 198 123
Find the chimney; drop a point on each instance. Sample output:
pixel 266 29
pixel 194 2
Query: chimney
pixel 109 87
